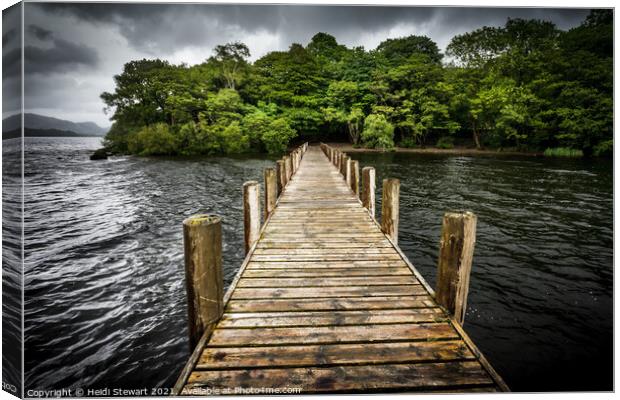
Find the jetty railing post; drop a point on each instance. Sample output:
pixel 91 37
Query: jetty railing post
pixel 251 213
pixel 368 189
pixel 280 175
pixel 293 162
pixel 288 168
pixel 390 208
pixel 456 252
pixel 348 172
pixel 202 237
pixel 271 190
pixel 355 177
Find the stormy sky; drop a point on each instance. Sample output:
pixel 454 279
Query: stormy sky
pixel 72 51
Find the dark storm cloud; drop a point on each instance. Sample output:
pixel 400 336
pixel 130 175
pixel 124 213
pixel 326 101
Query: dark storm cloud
pixel 11 63
pixel 39 33
pixel 8 37
pixel 157 27
pixel 63 56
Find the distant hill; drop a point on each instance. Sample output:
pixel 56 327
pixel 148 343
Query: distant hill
pixel 39 125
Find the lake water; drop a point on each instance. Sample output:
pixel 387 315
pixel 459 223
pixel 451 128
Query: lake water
pixel 105 297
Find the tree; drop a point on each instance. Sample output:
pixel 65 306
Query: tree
pixel 230 59
pixel 141 93
pixel 345 104
pixel 398 50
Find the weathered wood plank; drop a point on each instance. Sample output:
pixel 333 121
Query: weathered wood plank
pixel 341 291
pixel 327 318
pixel 248 282
pixel 327 264
pixel 331 334
pixel 336 354
pixel 332 303
pixel 324 272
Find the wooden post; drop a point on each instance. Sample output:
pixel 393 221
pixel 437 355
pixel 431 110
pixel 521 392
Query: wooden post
pixel 456 252
pixel 251 213
pixel 348 172
pixel 389 208
pixel 293 162
pixel 345 165
pixel 289 168
pixel 271 190
pixel 202 237
pixel 280 175
pixel 368 187
pixel 355 177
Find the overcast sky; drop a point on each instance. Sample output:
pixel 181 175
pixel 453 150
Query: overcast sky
pixel 74 50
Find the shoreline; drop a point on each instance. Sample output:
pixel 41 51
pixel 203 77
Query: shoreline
pixel 459 151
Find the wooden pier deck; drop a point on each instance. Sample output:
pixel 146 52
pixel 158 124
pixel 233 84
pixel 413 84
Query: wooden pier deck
pixel 326 302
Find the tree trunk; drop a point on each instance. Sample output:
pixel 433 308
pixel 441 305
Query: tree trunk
pixel 476 136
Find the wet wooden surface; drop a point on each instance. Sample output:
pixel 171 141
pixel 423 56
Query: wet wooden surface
pixel 326 303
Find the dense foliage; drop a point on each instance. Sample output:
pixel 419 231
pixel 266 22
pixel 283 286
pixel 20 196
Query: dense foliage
pixel 526 85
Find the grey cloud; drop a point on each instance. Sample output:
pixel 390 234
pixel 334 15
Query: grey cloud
pixel 162 27
pixel 63 56
pixel 9 36
pixel 12 63
pixel 39 33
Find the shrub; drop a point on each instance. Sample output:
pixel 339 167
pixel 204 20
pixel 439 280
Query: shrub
pixel 445 142
pixel 274 134
pixel 378 133
pixel 277 136
pixel 563 152
pixel 152 140
pixel 408 142
pixel 604 149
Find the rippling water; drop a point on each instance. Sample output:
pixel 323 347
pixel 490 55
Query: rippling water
pixel 105 296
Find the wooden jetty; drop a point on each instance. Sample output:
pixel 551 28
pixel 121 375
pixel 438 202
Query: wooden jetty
pixel 325 301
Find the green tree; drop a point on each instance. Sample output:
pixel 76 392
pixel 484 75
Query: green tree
pixel 398 50
pixel 230 60
pixel 378 132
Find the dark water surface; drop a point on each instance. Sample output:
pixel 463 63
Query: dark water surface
pixel 105 295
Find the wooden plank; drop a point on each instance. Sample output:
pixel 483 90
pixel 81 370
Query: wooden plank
pixel 337 303
pixel 334 354
pixel 326 264
pixel 328 318
pixel 326 257
pixel 340 251
pixel 324 272
pixel 341 291
pixel 247 282
pixel 332 334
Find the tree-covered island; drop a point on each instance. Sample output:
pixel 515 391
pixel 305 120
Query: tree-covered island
pixel 527 86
